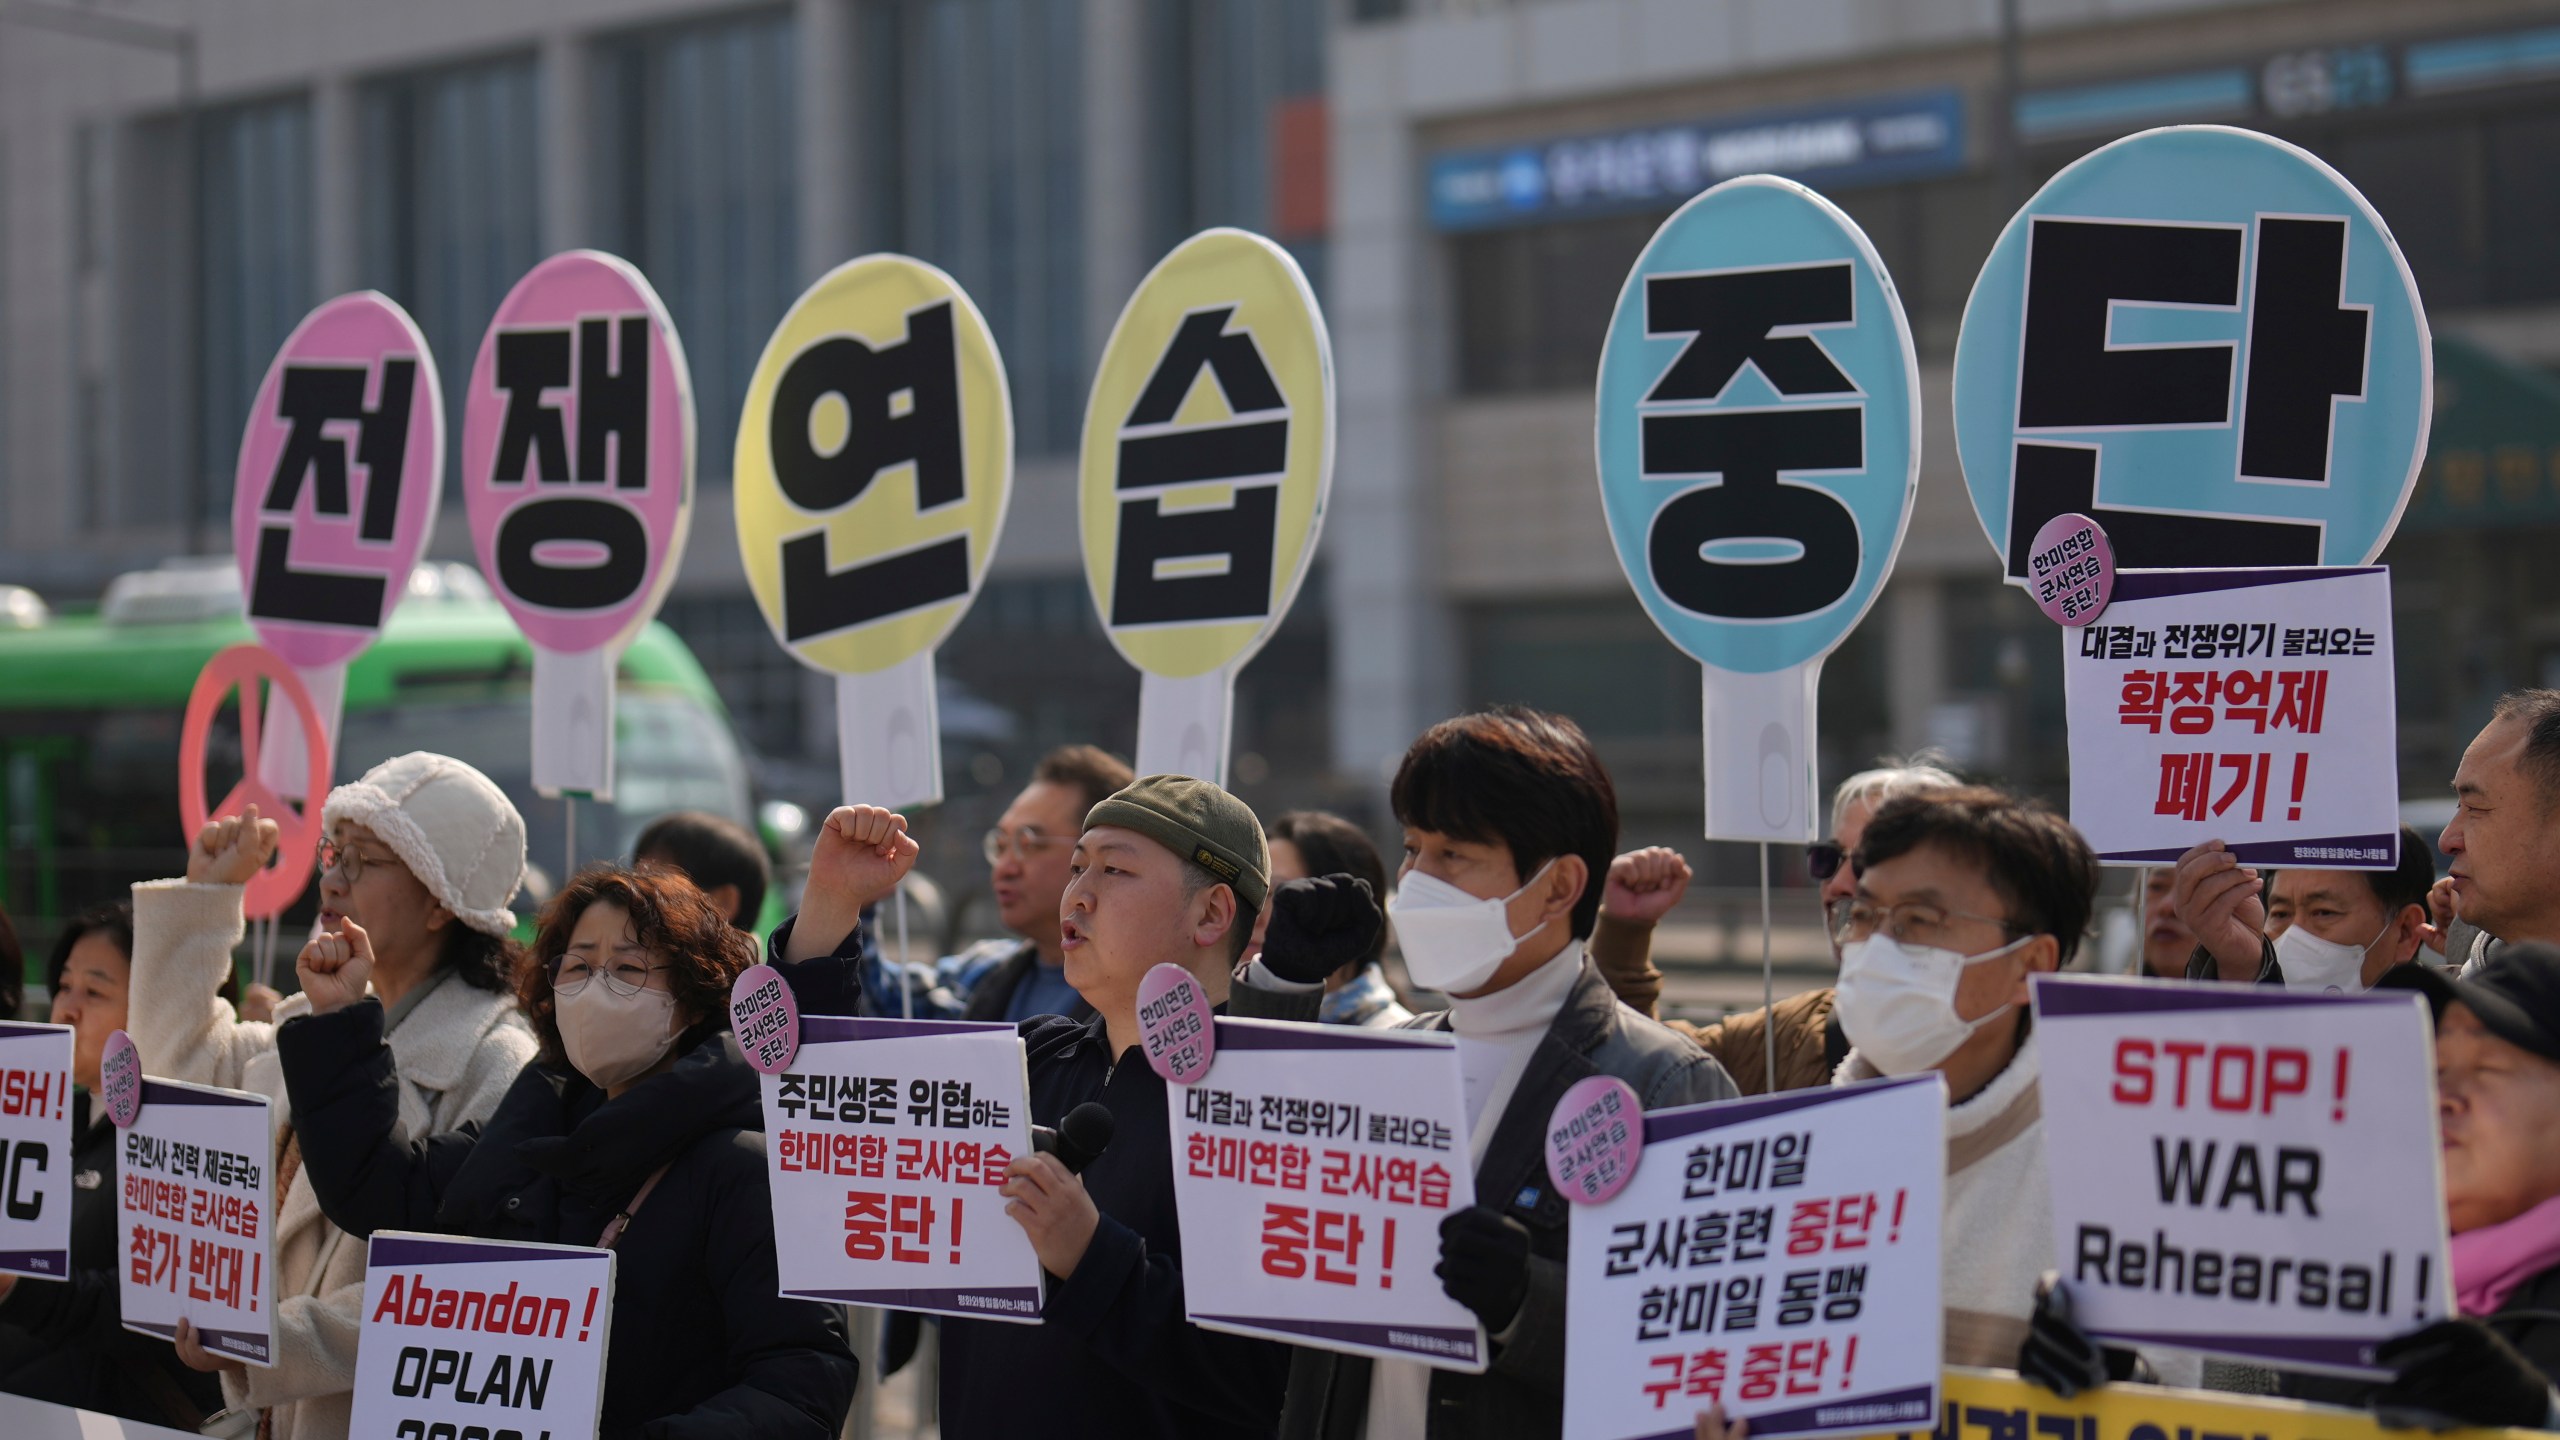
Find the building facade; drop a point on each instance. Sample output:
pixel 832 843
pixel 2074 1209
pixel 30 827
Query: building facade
pixel 1501 165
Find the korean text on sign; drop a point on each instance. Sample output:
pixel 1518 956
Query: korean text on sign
pixel 2250 1171
pixel 35 1150
pixel 2249 706
pixel 194 1216
pixel 1312 1168
pixel 1776 1256
pixel 892 1138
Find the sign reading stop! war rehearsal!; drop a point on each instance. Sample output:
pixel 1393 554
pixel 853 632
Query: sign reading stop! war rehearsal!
pixel 874 462
pixel 2248 706
pixel 341 474
pixel 2207 341
pixel 1312 1167
pixel 1208 455
pixel 1776 1256
pixel 577 468
pixel 887 1141
pixel 1758 437
pixel 35 1150
pixel 2247 1172
pixel 193 1210
pixel 1999 1405
pixel 493 1339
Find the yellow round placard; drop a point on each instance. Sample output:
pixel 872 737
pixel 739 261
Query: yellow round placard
pixel 1208 450
pixel 875 457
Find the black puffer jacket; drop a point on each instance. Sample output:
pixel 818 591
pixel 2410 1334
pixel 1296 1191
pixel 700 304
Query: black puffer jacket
pixel 65 1341
pixel 702 1344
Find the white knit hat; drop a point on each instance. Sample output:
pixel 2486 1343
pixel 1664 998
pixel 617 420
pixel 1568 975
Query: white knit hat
pixel 454 829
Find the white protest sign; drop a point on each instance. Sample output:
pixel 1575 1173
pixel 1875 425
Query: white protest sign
pixel 895 1135
pixel 193 1211
pixel 1777 1256
pixel 1312 1167
pixel 1208 456
pixel 2248 1170
pixel 2249 706
pixel 493 1339
pixel 35 1150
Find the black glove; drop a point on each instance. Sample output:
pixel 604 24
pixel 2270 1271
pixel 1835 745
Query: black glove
pixel 1319 925
pixel 2057 1353
pixel 2459 1372
pixel 1484 1264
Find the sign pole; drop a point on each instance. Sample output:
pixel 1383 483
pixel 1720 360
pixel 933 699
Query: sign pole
pixel 1768 983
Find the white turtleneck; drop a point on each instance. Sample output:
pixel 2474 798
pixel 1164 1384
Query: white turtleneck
pixel 1497 1034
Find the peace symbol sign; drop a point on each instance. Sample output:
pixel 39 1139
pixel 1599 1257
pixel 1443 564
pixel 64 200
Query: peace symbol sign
pixel 298 834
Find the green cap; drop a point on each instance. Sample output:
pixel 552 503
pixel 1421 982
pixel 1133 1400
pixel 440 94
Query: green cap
pixel 1199 822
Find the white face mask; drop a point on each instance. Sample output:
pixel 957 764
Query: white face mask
pixel 1452 941
pixel 1898 1002
pixel 611 1038
pixel 2311 963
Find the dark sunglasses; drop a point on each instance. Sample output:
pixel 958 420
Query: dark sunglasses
pixel 1823 859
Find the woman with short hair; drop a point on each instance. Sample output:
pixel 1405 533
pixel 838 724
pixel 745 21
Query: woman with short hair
pixel 636 1127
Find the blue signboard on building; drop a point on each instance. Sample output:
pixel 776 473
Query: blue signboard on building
pixel 1837 146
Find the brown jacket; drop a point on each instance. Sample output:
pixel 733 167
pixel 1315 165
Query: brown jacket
pixel 1624 954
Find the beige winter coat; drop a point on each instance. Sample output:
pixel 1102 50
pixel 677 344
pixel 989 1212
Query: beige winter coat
pixel 457 1052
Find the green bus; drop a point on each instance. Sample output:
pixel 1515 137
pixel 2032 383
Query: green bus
pixel 91 703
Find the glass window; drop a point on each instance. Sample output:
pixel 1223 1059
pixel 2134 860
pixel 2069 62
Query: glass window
pixel 695 140
pixel 974 118
pixel 1534 303
pixel 451 208
pixel 2524 150
pixel 254 280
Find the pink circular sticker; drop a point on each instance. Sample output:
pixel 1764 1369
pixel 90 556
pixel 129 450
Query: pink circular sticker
pixel 1594 1139
pixel 765 1018
pixel 577 452
pixel 120 1080
pixel 1176 1025
pixel 2072 569
pixel 341 473
pixel 298 837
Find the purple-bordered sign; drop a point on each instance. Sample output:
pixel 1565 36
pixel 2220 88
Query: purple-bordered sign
pixel 2248 1170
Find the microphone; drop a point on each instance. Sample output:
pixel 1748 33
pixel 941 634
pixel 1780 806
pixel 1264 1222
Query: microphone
pixel 1080 1138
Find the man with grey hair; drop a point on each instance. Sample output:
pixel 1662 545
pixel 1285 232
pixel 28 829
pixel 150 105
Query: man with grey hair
pixel 1808 1038
pixel 2503 844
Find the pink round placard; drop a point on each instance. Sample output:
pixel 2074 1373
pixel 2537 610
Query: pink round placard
pixel 341 473
pixel 298 837
pixel 2072 570
pixel 1176 1025
pixel 765 1018
pixel 577 452
pixel 120 1080
pixel 1594 1139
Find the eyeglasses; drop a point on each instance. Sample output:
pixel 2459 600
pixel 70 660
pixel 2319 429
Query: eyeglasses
pixel 348 861
pixel 625 977
pixel 1823 859
pixel 1913 922
pixel 997 844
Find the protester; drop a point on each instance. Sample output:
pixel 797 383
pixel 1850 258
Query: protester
pixel 637 1127
pixel 721 857
pixel 1962 895
pixel 1310 843
pixel 66 1338
pixel 2503 843
pixel 2167 942
pixel 1508 819
pixel 423 857
pixel 2336 931
pixel 1169 870
pixel 1810 1041
pixel 1028 857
